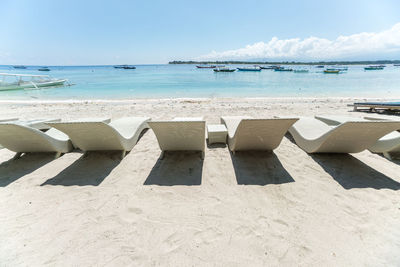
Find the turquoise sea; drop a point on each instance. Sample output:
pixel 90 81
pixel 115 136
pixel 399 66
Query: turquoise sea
pixel 164 81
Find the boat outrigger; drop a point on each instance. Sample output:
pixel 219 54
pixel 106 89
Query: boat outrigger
pixel 23 81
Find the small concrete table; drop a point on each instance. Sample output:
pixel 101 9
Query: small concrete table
pixel 216 133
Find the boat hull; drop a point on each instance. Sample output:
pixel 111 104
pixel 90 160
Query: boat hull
pixel 373 68
pixel 240 69
pixel 331 71
pixel 224 70
pixel 31 86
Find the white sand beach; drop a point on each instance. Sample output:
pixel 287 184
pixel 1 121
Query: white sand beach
pixel 285 208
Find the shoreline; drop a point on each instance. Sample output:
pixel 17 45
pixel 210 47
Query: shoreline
pixel 235 99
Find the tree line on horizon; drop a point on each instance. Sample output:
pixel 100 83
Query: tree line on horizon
pixel 365 62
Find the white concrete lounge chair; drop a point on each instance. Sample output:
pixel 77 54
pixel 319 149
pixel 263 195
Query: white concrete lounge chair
pixel 315 136
pixel 180 134
pixel 386 145
pixel 21 138
pixel 96 135
pixel 246 133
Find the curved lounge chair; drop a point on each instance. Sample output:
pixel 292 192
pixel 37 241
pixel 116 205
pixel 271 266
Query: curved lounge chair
pixel 315 136
pixel 389 143
pixel 22 138
pixel 91 135
pixel 180 134
pixel 246 133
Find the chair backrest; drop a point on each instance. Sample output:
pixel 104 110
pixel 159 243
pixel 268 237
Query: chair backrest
pixel 353 137
pixel 179 135
pixel 91 135
pixel 260 134
pixel 20 138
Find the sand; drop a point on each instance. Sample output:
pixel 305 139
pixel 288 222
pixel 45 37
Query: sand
pixel 252 209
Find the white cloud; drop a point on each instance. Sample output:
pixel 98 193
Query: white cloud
pixel 314 48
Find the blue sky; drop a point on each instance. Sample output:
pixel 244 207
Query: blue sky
pixel 143 32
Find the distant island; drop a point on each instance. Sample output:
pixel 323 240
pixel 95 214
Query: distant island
pixel 291 62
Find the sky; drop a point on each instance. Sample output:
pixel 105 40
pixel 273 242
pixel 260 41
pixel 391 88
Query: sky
pixel 86 32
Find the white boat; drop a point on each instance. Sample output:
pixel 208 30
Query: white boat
pixel 25 81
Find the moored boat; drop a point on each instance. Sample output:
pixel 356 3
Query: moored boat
pixel 224 70
pixel 332 71
pixel 282 69
pixel 249 69
pixel 271 67
pixel 207 66
pixel 125 67
pixel 22 81
pixel 320 66
pixel 44 69
pixel 300 71
pixel 378 67
pixel 19 67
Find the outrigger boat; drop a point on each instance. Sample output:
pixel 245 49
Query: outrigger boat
pixel 207 66
pixel 224 70
pixel 379 67
pixel 300 71
pixel 23 81
pixel 272 67
pixel 249 69
pixel 19 67
pixel 44 69
pixel 125 67
pixel 332 71
pixel 282 69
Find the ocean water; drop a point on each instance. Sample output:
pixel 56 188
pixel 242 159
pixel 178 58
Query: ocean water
pixel 175 81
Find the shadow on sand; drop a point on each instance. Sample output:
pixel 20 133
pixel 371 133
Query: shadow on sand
pixel 12 170
pixel 259 168
pixel 91 169
pixel 350 172
pixel 177 168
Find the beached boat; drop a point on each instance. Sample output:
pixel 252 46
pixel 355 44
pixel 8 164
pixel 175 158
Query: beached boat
pixel 125 67
pixel 282 69
pixel 224 70
pixel 207 66
pixel 249 69
pixel 22 81
pixel 44 69
pixel 380 67
pixel 332 71
pixel 300 71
